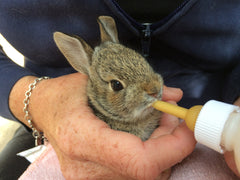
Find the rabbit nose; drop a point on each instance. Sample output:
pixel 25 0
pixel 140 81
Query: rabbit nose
pixel 153 92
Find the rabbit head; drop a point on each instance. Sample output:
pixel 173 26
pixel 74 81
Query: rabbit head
pixel 122 86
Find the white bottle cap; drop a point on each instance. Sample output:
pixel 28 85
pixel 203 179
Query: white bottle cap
pixel 210 123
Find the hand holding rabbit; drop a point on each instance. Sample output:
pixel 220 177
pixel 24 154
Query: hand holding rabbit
pixel 86 147
pixel 122 86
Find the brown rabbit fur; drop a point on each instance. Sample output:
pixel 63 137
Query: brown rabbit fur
pixel 121 85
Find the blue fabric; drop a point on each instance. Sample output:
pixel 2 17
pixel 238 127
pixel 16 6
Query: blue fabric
pixel 195 48
pixel 9 74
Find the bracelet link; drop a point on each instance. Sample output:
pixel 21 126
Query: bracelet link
pixel 39 137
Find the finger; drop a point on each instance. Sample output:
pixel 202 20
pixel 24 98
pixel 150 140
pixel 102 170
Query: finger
pixel 229 158
pixel 237 102
pixel 173 94
pixel 169 120
pixel 167 125
pixel 172 148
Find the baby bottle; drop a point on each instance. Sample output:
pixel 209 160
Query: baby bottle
pixel 215 124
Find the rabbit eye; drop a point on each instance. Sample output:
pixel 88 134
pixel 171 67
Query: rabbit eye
pixel 116 85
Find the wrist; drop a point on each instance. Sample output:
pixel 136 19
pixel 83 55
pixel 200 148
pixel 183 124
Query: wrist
pixel 17 99
pixel 38 135
pixel 17 95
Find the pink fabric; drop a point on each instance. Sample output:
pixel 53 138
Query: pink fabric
pixel 203 163
pixel 45 167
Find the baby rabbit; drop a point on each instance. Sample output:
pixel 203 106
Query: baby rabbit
pixel 122 86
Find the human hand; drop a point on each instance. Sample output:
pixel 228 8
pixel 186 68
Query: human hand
pixel 229 156
pixel 88 149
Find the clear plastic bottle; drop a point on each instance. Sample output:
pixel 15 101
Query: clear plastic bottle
pixel 215 124
pixel 231 136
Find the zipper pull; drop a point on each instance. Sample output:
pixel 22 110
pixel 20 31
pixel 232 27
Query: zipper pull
pixel 146 39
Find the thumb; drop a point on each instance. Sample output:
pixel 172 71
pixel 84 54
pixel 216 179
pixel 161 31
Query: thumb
pixel 172 94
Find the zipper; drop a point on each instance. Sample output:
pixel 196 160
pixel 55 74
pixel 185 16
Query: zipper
pixel 146 39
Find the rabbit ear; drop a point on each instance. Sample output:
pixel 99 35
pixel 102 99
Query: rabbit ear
pixel 108 29
pixel 76 50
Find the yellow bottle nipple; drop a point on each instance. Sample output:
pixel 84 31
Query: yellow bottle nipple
pixel 189 115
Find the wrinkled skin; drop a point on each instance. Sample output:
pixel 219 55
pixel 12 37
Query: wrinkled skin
pixel 86 147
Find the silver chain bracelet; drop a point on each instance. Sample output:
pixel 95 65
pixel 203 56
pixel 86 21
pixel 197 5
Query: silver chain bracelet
pixel 38 136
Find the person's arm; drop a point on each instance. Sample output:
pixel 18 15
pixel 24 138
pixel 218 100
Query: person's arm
pixel 86 147
pixel 10 73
